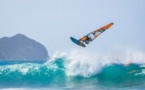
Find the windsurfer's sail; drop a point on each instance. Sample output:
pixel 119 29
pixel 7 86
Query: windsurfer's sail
pixel 91 36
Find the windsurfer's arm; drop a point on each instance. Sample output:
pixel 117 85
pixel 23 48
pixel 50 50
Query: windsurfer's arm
pixel 81 41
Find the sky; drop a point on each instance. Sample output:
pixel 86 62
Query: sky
pixel 52 22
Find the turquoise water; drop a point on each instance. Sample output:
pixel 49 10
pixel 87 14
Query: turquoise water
pixel 63 73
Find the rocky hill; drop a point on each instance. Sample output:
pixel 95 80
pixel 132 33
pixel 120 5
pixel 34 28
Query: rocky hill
pixel 20 47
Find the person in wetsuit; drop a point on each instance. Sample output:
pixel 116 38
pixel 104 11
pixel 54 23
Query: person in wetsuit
pixel 88 39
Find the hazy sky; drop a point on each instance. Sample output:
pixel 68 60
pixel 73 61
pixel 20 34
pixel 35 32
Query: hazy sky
pixel 52 22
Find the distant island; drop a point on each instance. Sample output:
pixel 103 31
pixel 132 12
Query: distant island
pixel 21 48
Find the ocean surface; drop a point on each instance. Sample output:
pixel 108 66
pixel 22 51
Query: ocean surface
pixel 75 70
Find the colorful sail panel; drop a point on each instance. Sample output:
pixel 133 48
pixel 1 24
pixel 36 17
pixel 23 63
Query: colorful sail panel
pixel 91 36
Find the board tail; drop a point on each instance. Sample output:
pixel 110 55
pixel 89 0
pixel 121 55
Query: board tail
pixel 77 42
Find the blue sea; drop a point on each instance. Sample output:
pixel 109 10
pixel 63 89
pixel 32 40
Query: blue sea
pixel 75 71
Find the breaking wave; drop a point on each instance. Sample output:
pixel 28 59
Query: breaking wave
pixel 77 69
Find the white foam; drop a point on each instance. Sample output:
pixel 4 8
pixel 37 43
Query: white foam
pixel 86 63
